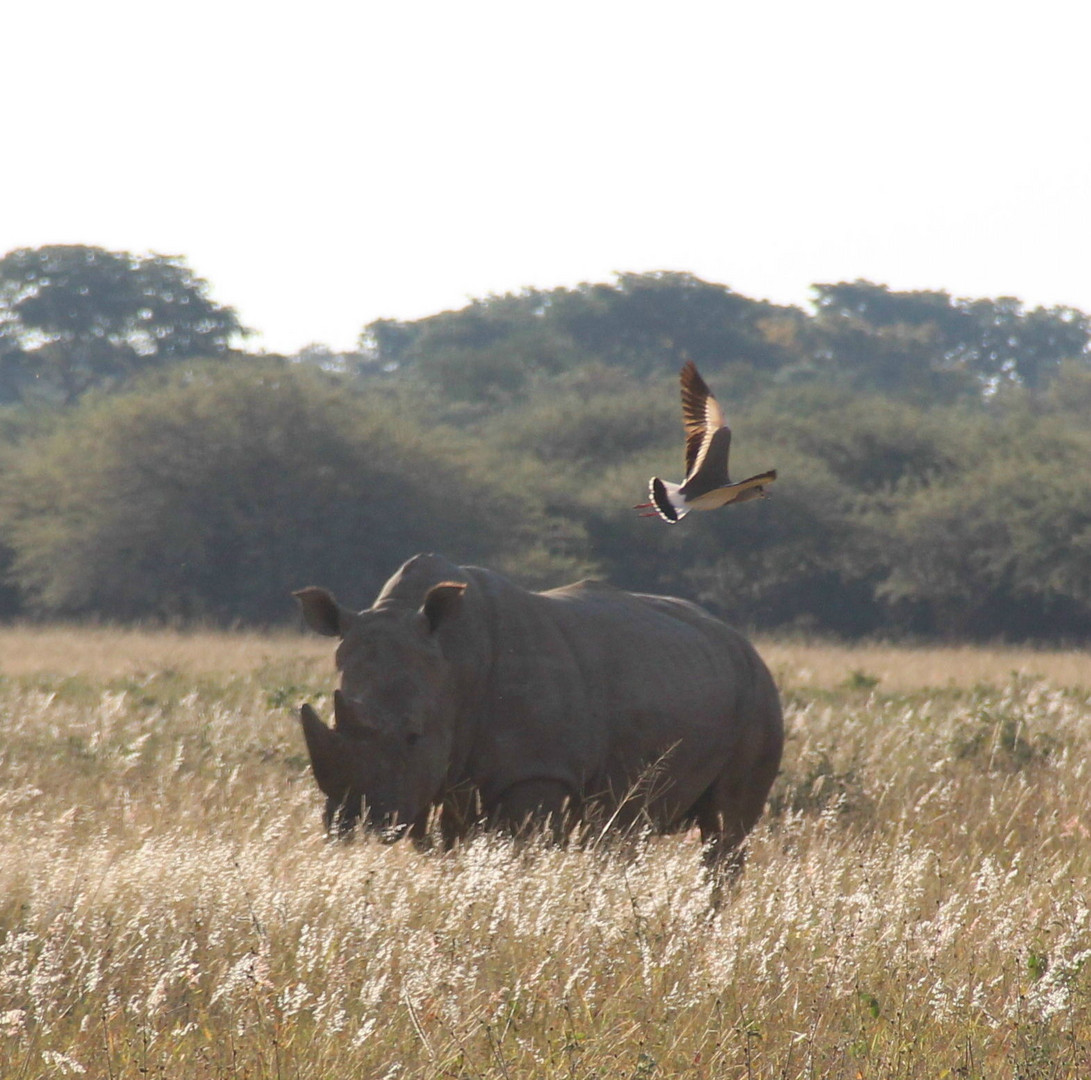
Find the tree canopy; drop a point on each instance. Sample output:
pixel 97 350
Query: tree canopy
pixel 215 495
pixel 932 451
pixel 896 341
pixel 73 317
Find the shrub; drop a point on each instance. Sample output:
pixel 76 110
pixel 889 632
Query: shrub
pixel 213 495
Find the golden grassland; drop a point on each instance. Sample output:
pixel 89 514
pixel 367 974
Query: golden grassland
pixel 916 902
pixel 105 652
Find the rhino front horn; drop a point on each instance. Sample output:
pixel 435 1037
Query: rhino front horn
pixel 327 751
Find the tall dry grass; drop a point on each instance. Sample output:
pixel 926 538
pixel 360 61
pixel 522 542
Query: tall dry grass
pixel 915 904
pixel 110 652
pixel 893 668
pixel 105 652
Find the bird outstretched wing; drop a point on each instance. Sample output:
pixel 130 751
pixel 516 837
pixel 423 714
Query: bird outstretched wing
pixel 702 416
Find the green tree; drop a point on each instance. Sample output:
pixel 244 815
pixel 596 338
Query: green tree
pixel 589 419
pixel 870 442
pixel 644 323
pixel 1001 547
pixel 484 353
pixel 1025 347
pixel 645 320
pixel 905 343
pixel 73 317
pixel 215 495
pixel 928 344
pixel 385 343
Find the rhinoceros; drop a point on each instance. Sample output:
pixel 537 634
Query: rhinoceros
pixel 584 704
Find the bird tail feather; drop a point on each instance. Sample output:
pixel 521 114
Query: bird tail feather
pixel 664 496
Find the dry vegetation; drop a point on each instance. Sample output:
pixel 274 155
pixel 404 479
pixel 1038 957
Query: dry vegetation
pixel 107 652
pixel 916 902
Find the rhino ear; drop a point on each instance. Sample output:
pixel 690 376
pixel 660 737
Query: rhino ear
pixel 326 748
pixel 321 611
pixel 442 602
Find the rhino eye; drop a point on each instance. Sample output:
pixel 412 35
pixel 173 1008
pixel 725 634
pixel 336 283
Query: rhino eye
pixel 412 738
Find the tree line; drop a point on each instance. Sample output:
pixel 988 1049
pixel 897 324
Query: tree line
pixel 932 451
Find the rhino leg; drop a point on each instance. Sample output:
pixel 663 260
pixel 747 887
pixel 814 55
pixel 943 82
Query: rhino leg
pixel 420 832
pixel 534 804
pixel 461 812
pixel 725 815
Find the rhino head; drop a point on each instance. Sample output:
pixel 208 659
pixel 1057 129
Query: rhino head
pixel 386 757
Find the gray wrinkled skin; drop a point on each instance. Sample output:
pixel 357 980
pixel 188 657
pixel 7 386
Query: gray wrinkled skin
pixel 462 691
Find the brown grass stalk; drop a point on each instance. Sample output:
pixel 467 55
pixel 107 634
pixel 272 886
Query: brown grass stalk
pixel 915 903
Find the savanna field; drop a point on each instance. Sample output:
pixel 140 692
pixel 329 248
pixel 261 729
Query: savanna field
pixel 916 901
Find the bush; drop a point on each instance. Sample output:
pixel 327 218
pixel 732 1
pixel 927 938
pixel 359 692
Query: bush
pixel 1000 548
pixel 213 495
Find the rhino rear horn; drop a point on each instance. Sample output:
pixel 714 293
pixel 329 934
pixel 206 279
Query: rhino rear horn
pixel 344 719
pixel 329 761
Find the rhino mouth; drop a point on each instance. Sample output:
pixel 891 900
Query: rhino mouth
pixel 343 823
pixel 387 826
pixel 340 818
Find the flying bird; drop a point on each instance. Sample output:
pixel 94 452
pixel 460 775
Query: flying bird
pixel 707 485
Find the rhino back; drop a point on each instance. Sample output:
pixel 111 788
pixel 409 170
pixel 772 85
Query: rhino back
pixel 591 686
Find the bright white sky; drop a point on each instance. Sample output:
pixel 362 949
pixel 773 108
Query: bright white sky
pixel 327 163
